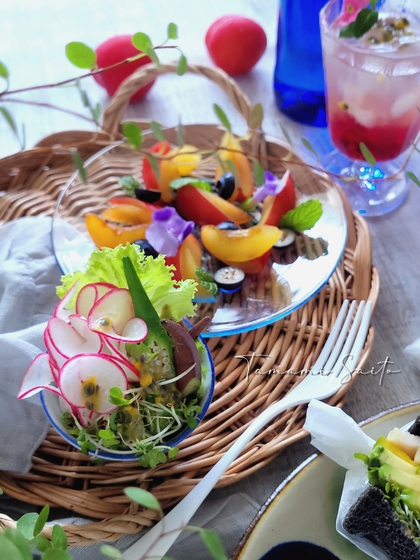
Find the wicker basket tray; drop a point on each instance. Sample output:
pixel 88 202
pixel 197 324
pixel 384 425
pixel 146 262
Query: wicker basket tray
pixel 63 476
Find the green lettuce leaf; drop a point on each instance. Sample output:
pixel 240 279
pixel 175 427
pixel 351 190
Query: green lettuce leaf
pixel 171 299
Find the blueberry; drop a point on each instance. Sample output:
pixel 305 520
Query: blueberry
pixel 147 195
pixel 227 225
pixel 226 185
pixel 146 247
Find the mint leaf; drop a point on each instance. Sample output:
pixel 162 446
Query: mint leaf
pixel 207 281
pixel 182 181
pixel 364 21
pixel 303 217
pixel 129 184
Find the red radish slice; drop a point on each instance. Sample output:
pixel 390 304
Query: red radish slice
pixel 99 370
pixel 56 360
pixel 61 310
pixel 86 299
pixel 131 372
pixel 80 325
pixel 112 312
pixel 86 416
pixel 38 376
pixel 67 341
pixel 135 330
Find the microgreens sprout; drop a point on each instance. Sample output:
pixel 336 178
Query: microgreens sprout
pixel 166 381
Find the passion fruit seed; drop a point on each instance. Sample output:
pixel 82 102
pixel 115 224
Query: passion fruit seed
pixel 89 389
pixel 103 324
pixel 126 416
pixel 225 185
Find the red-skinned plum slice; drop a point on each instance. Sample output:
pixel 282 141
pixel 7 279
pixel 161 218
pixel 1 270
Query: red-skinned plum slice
pixel 68 342
pixel 85 381
pixel 38 376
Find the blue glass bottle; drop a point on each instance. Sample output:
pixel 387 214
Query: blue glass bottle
pixel 299 75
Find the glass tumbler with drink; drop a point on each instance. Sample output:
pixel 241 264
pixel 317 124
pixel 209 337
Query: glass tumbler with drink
pixel 372 70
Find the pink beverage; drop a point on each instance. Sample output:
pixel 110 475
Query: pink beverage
pixel 373 82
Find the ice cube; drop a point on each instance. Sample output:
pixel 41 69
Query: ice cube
pixel 365 117
pixel 404 104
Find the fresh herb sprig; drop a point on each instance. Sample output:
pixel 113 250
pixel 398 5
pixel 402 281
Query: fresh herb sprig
pixel 365 20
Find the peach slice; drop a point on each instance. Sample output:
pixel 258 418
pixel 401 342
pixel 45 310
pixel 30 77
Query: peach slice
pixel 185 158
pixel 107 235
pixel 128 214
pixel 239 245
pixel 244 178
pixel 203 207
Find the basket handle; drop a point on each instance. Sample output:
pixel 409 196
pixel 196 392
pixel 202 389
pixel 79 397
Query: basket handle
pixel 114 112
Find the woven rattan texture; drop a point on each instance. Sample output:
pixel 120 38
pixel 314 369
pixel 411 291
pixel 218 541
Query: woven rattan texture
pixel 30 183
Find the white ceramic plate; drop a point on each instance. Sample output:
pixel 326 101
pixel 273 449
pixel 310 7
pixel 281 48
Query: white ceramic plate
pixel 304 507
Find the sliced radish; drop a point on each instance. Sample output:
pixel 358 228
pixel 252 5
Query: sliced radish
pixel 98 369
pixel 38 376
pixel 56 360
pixel 86 416
pixel 80 325
pixel 61 311
pixel 130 370
pixel 89 295
pixel 86 299
pixel 134 331
pixel 67 341
pixel 111 313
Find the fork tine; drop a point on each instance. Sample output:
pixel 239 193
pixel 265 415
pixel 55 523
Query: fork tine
pixel 335 331
pixel 356 339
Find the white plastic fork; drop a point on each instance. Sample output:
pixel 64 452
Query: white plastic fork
pixel 341 352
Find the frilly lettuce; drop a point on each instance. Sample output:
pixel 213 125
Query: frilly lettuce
pixel 170 298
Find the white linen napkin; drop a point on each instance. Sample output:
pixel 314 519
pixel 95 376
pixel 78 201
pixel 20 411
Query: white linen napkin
pixel 28 277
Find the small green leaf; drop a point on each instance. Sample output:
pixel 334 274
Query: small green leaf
pixel 142 42
pixel 172 31
pixel 56 554
pixel 142 497
pixel 286 135
pixel 80 55
pixel 133 134
pixel 96 112
pixel 20 542
pixel 258 172
pixel 152 54
pixel 308 145
pixel 42 519
pixel 9 119
pixel 26 524
pixel 207 281
pixel 155 165
pixel 213 544
pixel 367 154
pixel 172 452
pixel 59 537
pixel 180 135
pixel 182 65
pixel 157 131
pixel 80 166
pixel 1 491
pixel 4 72
pixel 182 181
pixel 41 543
pixel 256 116
pixel 413 177
pixel 9 550
pixel 303 217
pixel 106 434
pixel 222 117
pixel 111 552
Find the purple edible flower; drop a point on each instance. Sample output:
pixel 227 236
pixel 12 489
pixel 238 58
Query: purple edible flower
pixel 272 186
pixel 167 231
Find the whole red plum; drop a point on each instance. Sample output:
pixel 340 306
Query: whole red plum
pixel 112 51
pixel 235 43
